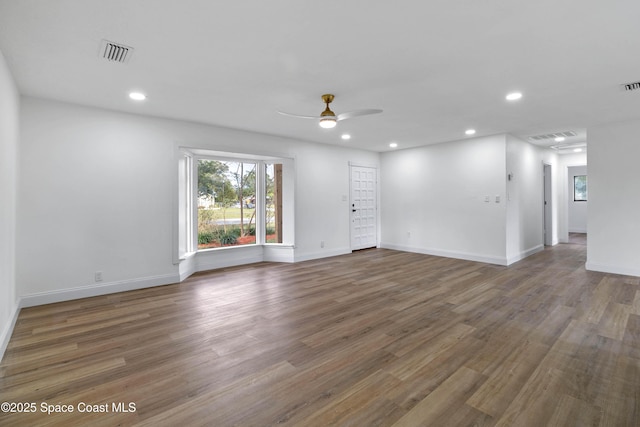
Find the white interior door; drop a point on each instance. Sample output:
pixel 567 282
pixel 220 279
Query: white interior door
pixel 364 208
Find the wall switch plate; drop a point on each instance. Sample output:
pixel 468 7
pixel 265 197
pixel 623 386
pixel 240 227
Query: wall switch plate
pixel 98 276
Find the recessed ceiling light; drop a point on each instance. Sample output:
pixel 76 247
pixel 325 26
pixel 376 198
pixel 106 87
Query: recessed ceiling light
pixel 393 145
pixel 513 96
pixel 559 139
pixel 577 150
pixel 345 136
pixel 137 96
pixel 470 132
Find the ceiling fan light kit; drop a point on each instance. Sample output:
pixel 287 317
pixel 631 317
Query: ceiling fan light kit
pixel 328 118
pixel 328 122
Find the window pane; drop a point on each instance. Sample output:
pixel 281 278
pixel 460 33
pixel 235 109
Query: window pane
pixel 273 203
pixel 226 203
pixel 580 188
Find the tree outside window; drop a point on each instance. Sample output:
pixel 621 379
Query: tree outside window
pixel 226 203
pixel 580 188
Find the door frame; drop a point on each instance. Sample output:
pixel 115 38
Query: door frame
pixel 351 202
pixel 547 205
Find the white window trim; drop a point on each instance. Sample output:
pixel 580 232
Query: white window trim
pixel 184 211
pixel 188 246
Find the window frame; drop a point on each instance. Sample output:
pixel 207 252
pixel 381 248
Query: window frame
pixel 189 196
pixel 259 187
pixel 586 194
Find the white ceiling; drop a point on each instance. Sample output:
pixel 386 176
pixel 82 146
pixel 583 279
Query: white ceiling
pixel 435 67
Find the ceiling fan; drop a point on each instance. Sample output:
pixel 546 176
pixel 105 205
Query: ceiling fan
pixel 328 118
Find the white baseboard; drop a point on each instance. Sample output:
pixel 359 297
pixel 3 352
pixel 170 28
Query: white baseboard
pixel 323 254
pixel 625 271
pixel 5 334
pixel 187 267
pixel 212 259
pixel 97 290
pixel 448 254
pixel 522 255
pixel 279 253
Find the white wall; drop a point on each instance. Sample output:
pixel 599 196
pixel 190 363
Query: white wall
pixel 614 198
pixel 433 199
pixel 98 193
pixel 321 213
pixel 577 211
pixel 525 201
pixel 9 135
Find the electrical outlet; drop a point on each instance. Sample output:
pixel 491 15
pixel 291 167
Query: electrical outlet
pixel 322 243
pixel 98 276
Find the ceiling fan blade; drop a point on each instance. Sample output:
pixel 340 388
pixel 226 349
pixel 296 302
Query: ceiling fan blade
pixel 298 115
pixel 356 113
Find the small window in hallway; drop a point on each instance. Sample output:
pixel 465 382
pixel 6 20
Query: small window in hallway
pixel 580 188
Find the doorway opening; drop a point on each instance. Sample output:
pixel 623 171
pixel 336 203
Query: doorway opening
pixel 577 204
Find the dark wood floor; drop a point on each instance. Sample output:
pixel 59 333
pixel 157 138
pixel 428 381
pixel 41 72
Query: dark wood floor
pixel 375 338
pixel 578 238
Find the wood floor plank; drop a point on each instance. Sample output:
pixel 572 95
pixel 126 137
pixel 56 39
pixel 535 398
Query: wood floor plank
pixel 571 412
pixel 534 405
pixel 373 338
pixel 631 339
pixel 600 300
pixel 614 321
pixel 442 404
pixel 414 361
pixel 219 406
pixel 620 397
pixel 430 376
pixel 356 403
pixel 496 393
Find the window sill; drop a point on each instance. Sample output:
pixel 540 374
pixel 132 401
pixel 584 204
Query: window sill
pixel 186 256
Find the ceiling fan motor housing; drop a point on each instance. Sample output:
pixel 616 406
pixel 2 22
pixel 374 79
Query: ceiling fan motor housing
pixel 328 99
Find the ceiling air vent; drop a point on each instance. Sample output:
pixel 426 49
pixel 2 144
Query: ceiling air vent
pixel 631 86
pixel 552 136
pixel 115 52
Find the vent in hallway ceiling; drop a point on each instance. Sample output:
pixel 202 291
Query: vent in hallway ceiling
pixel 631 86
pixel 115 52
pixel 552 136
